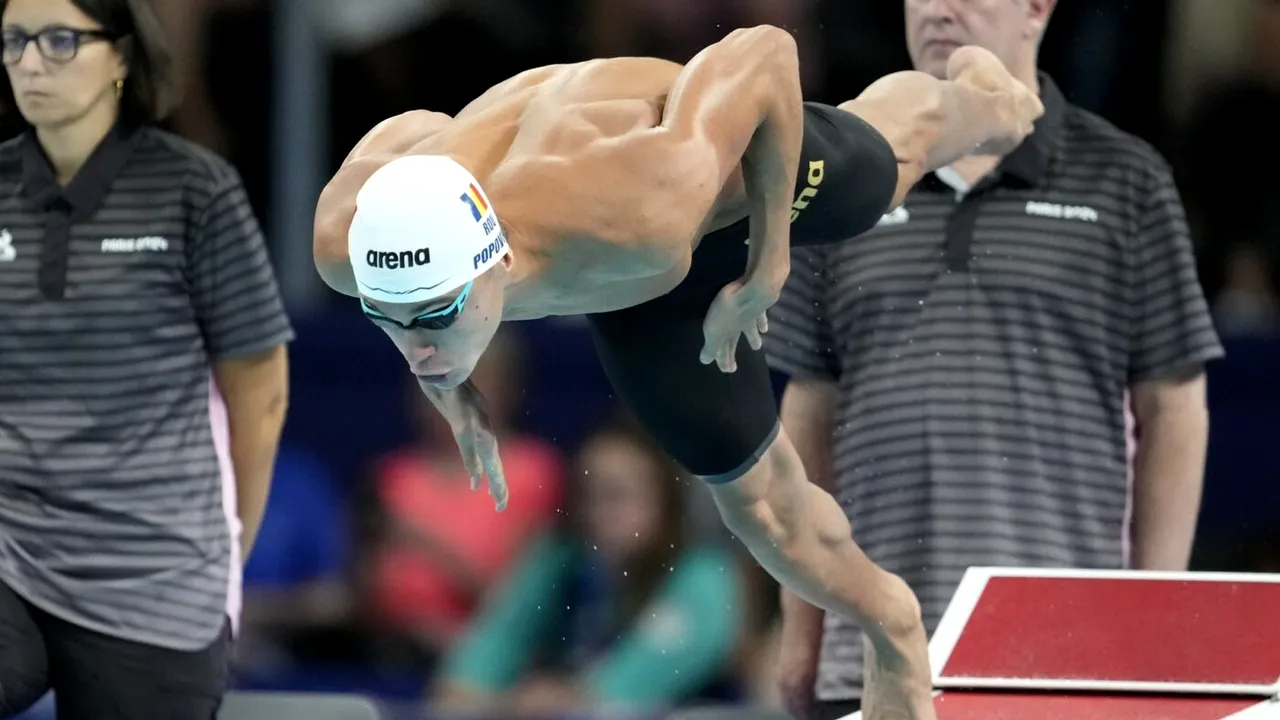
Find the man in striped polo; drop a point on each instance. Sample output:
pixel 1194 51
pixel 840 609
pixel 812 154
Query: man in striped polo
pixel 963 375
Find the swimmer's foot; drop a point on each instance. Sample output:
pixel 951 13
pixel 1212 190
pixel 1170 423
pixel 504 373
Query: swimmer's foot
pixel 1017 106
pixel 898 684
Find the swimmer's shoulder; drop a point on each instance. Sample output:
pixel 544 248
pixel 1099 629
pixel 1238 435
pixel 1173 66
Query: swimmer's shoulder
pixel 399 134
pixel 627 77
pixel 335 209
pixel 513 89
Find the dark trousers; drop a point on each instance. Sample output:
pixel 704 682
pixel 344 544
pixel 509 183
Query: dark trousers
pixel 98 677
pixel 838 710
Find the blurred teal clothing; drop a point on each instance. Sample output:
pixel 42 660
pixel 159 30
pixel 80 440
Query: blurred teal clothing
pixel 555 612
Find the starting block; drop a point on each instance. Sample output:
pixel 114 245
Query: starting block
pixel 1037 644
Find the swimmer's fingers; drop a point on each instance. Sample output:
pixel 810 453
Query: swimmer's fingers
pixel 468 447
pixel 471 461
pixel 762 323
pixel 720 331
pixel 727 358
pixel 712 340
pixel 497 480
pixel 753 335
pixel 712 346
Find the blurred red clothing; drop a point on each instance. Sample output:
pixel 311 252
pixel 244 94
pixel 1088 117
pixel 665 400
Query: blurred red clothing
pixel 412 587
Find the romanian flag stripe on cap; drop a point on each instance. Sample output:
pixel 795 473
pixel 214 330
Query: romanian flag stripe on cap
pixel 475 193
pixel 478 206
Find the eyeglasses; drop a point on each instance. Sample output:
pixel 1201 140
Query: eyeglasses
pixel 431 320
pixel 56 43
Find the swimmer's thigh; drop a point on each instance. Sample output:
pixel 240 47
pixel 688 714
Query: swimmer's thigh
pixel 847 177
pixel 715 424
pixel 24 664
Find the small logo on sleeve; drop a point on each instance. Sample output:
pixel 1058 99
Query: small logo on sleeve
pixel 8 253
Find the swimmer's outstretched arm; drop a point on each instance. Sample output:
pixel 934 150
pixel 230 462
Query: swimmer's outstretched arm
pixel 931 123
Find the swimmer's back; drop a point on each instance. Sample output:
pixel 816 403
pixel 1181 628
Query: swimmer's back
pixel 541 115
pixel 614 95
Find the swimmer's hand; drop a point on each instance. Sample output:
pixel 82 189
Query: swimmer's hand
pixel 463 408
pixel 479 445
pixel 739 310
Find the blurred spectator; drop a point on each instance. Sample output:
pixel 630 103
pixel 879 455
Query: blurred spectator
pixel 440 544
pixel 295 584
pixel 613 608
pixel 1234 199
pixel 195 118
pixel 1203 38
pixel 1247 304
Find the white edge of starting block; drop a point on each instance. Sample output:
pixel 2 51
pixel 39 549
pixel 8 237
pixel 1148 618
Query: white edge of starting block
pixel 1104 686
pixel 955 618
pixel 1269 710
pixel 1078 574
pixel 858 715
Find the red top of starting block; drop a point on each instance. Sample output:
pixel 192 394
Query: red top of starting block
pixel 1111 631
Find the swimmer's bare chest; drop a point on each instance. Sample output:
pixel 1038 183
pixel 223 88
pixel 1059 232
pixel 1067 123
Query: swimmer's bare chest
pixel 576 261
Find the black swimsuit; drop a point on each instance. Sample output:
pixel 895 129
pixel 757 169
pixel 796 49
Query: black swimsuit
pixel 718 424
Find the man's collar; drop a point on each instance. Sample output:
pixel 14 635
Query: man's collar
pixel 90 185
pixel 1029 163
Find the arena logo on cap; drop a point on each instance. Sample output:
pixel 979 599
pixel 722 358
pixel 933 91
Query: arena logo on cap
pixel 396 260
pixel 487 254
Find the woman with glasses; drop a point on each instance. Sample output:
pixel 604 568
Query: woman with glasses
pixel 143 376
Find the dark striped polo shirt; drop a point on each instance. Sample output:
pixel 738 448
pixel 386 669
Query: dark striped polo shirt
pixel 118 295
pixel 983 344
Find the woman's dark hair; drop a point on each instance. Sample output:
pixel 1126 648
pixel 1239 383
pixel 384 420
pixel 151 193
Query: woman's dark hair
pixel 151 89
pixel 646 572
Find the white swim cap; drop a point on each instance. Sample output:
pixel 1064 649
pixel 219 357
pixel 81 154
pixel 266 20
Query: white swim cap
pixel 422 228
